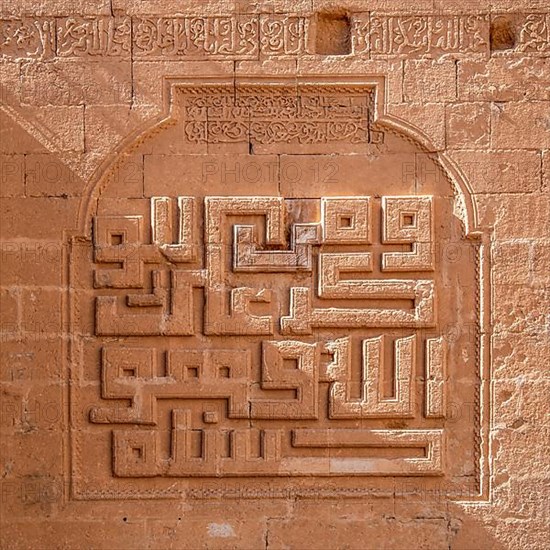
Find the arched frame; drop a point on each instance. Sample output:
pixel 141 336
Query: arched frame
pixel 463 211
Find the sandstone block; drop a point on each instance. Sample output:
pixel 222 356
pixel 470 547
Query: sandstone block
pixel 76 82
pixel 12 176
pixel 504 79
pixel 274 274
pixel 500 172
pixel 519 125
pixel 468 126
pixel 429 81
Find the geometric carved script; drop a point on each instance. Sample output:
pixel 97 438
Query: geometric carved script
pixel 372 403
pixel 167 308
pixel 317 329
pixel 341 115
pixel 152 285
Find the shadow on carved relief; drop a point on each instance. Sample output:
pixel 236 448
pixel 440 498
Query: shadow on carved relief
pixel 290 287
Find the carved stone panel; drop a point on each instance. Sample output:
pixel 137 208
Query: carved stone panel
pixel 245 331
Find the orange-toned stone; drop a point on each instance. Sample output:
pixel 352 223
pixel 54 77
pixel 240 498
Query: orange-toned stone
pixel 501 172
pixel 429 80
pixel 274 274
pixel 273 286
pixel 513 129
pixel 468 126
pixel 12 175
pixel 49 176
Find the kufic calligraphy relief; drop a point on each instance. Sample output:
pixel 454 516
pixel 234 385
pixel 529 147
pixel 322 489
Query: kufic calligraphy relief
pixel 248 335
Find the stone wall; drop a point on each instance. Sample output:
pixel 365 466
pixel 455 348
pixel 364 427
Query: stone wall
pixel 275 274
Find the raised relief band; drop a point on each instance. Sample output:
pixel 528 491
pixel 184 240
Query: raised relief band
pixel 261 246
pixel 275 329
pixel 252 36
pixel 172 292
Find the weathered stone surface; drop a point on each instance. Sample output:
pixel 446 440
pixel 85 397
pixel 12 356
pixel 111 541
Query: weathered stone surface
pixel 516 216
pixel 274 274
pixel 433 126
pixel 76 82
pixel 333 533
pixel 504 79
pixel 521 125
pixel 501 171
pixel 12 174
pixel 43 211
pixel 419 87
pixel 468 126
pixel 48 176
pixel 56 126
